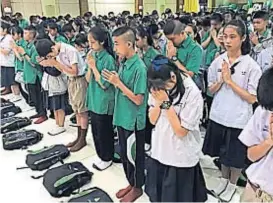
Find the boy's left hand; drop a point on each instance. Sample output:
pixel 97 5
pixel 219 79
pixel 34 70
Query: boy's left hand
pixel 111 77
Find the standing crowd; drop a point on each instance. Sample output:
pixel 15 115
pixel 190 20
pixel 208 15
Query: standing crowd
pixel 154 80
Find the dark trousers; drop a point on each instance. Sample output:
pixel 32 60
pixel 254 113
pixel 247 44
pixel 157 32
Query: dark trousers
pixel 36 97
pixel 103 134
pixel 132 155
pixel 23 93
pixel 148 128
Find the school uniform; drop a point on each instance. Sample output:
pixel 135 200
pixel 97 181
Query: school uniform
pixel 100 103
pixel 7 62
pixel 229 112
pixel 130 119
pixel 32 76
pixel 265 58
pixel 211 46
pixel 174 173
pixel 60 38
pixel 259 173
pixel 265 41
pixel 77 85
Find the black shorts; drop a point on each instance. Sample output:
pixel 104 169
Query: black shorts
pixel 172 184
pixel 7 76
pixel 221 141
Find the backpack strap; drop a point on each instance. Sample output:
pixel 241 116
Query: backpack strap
pixel 20 168
pixel 37 177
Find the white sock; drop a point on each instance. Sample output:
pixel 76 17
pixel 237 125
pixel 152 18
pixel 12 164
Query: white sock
pixel 102 165
pixel 228 193
pixel 222 186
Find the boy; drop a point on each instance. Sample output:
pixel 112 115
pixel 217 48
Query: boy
pixel 69 33
pixel 67 59
pixel 53 33
pixel 32 74
pixel 258 137
pixel 130 111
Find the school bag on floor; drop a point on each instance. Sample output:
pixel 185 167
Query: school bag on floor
pixel 61 181
pixel 6 104
pixel 41 159
pixel 13 123
pixel 93 194
pixel 10 111
pixel 20 139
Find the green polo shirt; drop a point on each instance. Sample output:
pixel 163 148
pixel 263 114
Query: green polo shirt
pixel 101 101
pixel 211 46
pixel 60 38
pixel 23 23
pixel 19 65
pixel 149 56
pixel 127 114
pixel 31 73
pixel 190 55
pixel 71 41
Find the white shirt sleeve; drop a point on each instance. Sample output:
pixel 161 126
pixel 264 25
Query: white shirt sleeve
pixel 254 77
pixel 192 111
pixel 213 73
pixel 73 57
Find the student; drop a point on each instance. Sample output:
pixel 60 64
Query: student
pixel 145 43
pixel 7 60
pixel 174 173
pixel 159 39
pixel 261 37
pixel 67 59
pixel 265 58
pixel 81 44
pixel 101 95
pixel 53 33
pixel 23 23
pixel 33 74
pixel 17 35
pixel 182 50
pixel 233 78
pixel 130 111
pixel 69 33
pixel 258 137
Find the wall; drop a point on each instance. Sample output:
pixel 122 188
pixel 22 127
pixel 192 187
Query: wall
pixel 159 5
pixel 149 5
pixel 117 6
pixel 27 7
pixel 68 7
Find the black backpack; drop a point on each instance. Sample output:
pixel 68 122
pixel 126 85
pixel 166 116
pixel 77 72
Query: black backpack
pixel 10 111
pixel 13 123
pixel 93 194
pixel 6 104
pixel 20 139
pixel 39 160
pixel 63 180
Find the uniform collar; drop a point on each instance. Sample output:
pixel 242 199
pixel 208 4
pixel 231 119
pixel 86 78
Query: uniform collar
pixel 239 59
pixel 148 52
pixel 100 54
pixel 186 42
pixel 130 62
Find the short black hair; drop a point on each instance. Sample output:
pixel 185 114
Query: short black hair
pixel 44 47
pixel 81 39
pixel 265 90
pixel 67 28
pixel 52 26
pixel 261 14
pixel 128 33
pixel 31 28
pixel 173 27
pixel 5 26
pixel 217 17
pixel 16 30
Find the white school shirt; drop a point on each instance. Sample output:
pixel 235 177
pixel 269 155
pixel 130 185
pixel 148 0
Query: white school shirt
pixel 69 55
pixel 169 148
pixel 228 108
pixel 256 131
pixel 265 58
pixel 6 60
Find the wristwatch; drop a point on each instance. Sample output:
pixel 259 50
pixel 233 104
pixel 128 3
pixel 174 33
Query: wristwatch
pixel 25 54
pixel 166 105
pixel 174 58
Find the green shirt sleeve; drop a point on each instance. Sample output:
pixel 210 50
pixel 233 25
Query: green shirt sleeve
pixel 140 83
pixel 195 60
pixel 205 37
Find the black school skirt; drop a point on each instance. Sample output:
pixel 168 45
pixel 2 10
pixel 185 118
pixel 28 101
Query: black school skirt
pixel 55 102
pixel 172 184
pixel 7 76
pixel 221 141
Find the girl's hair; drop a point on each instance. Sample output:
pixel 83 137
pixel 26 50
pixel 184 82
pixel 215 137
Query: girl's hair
pixel 16 30
pixel 197 37
pixel 101 35
pixel 160 72
pixel 81 40
pixel 145 32
pixel 242 30
pixel 5 26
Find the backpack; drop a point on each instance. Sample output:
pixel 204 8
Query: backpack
pixel 63 180
pixel 10 111
pixel 20 139
pixel 5 103
pixel 39 160
pixel 13 123
pixel 93 194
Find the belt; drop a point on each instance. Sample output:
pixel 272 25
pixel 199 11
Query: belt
pixel 260 194
pixel 75 77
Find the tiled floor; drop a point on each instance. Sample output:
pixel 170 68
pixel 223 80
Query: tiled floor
pixel 18 186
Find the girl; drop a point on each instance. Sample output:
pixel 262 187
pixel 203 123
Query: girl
pixel 101 95
pixel 7 63
pixel 233 78
pixel 17 35
pixel 176 108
